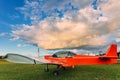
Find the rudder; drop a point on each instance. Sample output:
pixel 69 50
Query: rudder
pixel 112 51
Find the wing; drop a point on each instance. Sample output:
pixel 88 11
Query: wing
pixel 48 61
pixel 54 62
pixel 16 58
pixel 42 60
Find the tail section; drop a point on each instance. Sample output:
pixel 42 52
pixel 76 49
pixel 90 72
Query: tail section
pixel 112 51
pixel 111 55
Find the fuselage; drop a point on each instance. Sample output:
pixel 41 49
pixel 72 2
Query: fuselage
pixel 81 60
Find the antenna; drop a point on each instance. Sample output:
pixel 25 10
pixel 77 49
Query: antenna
pixel 38 52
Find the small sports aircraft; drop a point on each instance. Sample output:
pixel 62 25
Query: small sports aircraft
pixel 67 59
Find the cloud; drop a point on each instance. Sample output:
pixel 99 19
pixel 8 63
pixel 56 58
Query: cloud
pixel 37 10
pixel 77 27
pixel 2 34
pixel 6 35
pixel 19 45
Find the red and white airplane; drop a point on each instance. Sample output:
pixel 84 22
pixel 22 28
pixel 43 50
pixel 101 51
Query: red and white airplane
pixel 68 59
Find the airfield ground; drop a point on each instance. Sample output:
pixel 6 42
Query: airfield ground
pixel 11 71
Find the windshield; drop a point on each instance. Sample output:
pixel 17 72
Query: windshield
pixel 62 54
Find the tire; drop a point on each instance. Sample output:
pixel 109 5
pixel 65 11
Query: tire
pixel 55 73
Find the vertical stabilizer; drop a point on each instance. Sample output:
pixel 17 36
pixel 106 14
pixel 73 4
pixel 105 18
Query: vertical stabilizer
pixel 112 51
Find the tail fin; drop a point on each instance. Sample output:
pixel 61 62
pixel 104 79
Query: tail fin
pixel 112 51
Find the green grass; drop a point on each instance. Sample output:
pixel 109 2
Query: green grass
pixel 10 71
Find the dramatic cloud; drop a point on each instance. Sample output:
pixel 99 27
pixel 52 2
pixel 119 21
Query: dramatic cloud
pixel 68 24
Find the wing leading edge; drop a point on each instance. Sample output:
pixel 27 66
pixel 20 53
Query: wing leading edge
pixel 16 58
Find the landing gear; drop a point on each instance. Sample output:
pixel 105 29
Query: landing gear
pixel 55 73
pixel 46 69
pixel 63 68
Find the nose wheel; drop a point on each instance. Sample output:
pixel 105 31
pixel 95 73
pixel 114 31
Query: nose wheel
pixel 55 73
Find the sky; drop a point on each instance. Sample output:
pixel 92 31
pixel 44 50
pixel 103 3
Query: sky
pixel 26 25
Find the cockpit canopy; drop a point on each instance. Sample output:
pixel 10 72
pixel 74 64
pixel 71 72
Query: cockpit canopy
pixel 63 54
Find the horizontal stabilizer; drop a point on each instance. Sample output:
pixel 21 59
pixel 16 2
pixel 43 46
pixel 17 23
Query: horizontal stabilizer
pixel 111 57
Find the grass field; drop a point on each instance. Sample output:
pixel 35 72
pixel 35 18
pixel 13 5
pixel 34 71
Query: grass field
pixel 10 71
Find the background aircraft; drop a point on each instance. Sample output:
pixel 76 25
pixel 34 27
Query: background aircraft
pixel 67 59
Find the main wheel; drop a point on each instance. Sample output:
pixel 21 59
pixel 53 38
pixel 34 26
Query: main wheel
pixel 55 73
